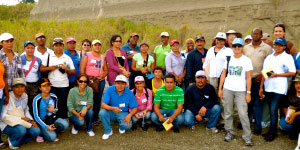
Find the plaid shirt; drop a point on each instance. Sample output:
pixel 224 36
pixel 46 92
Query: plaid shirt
pixel 13 70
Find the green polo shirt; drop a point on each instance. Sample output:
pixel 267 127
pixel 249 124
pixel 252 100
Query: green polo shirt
pixel 169 100
pixel 161 53
pixel 74 99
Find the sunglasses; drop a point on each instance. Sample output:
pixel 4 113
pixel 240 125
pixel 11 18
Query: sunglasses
pixel 86 45
pixel 82 81
pixel 118 41
pixel 234 46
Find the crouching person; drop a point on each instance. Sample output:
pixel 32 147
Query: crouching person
pixel 201 103
pixel 44 110
pixel 116 103
pixel 17 123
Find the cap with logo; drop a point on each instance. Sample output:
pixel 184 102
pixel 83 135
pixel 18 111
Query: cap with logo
pixel 121 78
pixel 18 81
pixel 5 36
pixel 58 41
pixel 280 41
pixel 238 41
pixel 221 35
pixel 174 41
pixel 199 37
pixel 139 79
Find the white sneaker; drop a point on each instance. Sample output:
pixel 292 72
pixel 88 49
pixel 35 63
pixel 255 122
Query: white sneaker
pixel 10 145
pixel 106 136
pixel 121 131
pixel 74 131
pixel 91 133
pixel 214 130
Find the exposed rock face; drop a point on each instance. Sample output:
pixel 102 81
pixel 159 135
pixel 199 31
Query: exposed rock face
pixel 209 16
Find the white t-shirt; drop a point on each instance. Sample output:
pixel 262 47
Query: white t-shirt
pixel 57 78
pixel 280 64
pixel 236 75
pixel 32 76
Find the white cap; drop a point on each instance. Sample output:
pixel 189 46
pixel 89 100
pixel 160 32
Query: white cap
pixel 164 34
pixel 230 31
pixel 5 36
pixel 121 78
pixel 248 37
pixel 200 73
pixel 221 35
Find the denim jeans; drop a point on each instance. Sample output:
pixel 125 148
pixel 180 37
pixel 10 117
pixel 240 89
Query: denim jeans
pixel 176 123
pixel 79 123
pixel 273 100
pixel 289 127
pixel 107 115
pixel 62 96
pixel 19 135
pixel 147 118
pixel 97 101
pixel 256 105
pixel 51 135
pixel 213 114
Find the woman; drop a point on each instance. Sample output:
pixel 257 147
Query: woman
pixel 17 123
pixel 156 82
pixel 215 58
pixel 144 98
pixel 282 66
pixel 85 47
pixel 94 65
pixel 45 109
pixel 80 103
pixel 190 44
pixel 142 63
pixel 236 83
pixel 60 67
pixel 116 59
pixel 279 32
pixel 31 67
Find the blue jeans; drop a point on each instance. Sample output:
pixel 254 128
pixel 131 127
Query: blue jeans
pixel 19 135
pixel 176 123
pixel 146 118
pixel 289 127
pixel 62 96
pixel 106 116
pixel 273 100
pixel 79 123
pixel 97 101
pixel 255 107
pixel 213 114
pixel 51 135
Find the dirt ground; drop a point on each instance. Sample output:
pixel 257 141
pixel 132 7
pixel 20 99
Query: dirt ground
pixel 187 139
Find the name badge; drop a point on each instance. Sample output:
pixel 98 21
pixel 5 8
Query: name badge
pixel 144 100
pixel 122 105
pixel 83 103
pixel 123 57
pixel 93 61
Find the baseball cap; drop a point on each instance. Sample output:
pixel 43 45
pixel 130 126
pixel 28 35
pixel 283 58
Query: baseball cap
pixel 139 79
pixel 96 41
pixel 43 81
pixel 144 43
pixel 265 36
pixel 199 37
pixel 221 35
pixel 134 34
pixel 58 41
pixel 281 41
pixel 239 35
pixel 28 42
pixel 164 34
pixel 200 73
pixel 174 41
pixel 248 37
pixel 39 35
pixel 5 36
pixel 121 78
pixel 238 41
pixel 18 81
pixel 70 39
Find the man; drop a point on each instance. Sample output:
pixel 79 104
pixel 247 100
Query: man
pixel 201 103
pixel 267 39
pixel 72 53
pixel 116 103
pixel 161 51
pixel 168 104
pixel 257 51
pixel 231 35
pixel 195 59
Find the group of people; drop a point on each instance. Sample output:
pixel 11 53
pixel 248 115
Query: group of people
pixel 43 90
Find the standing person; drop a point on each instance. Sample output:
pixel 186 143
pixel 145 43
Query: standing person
pixel 168 104
pixel 85 47
pixel 237 82
pixel 31 65
pixel 4 96
pixel 279 32
pixel 282 66
pixel 175 64
pixel 257 51
pixel 94 65
pixel 195 59
pixel 80 103
pixel 11 60
pixel 248 39
pixel 231 35
pixel 72 53
pixel 117 60
pixel 190 44
pixel 267 39
pixel 19 130
pixel 116 103
pixel 161 51
pixel 60 67
pixel 45 110
pixel 215 58
pixel 157 81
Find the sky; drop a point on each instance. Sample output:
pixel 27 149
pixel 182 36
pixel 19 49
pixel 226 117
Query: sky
pixel 10 2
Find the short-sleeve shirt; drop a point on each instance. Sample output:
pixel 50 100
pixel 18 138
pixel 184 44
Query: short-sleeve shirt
pixel 169 100
pixel 140 61
pixel 33 75
pixel 161 53
pixel 76 62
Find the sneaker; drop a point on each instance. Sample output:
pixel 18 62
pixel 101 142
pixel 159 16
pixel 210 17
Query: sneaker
pixel 56 140
pixel 90 133
pixel 74 131
pixel 265 124
pixel 228 137
pixel 214 130
pixel 106 136
pixel 10 145
pixel 39 139
pixel 248 142
pixel 121 131
pixel 176 130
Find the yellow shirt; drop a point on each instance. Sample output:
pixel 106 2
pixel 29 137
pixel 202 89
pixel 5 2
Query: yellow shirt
pixel 154 89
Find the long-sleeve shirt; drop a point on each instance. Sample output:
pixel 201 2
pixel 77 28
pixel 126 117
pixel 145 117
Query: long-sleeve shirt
pixel 75 99
pixel 194 98
pixel 175 63
pixel 143 102
pixel 193 64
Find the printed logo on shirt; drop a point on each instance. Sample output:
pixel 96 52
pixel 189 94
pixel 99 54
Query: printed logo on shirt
pixel 235 70
pixel 98 65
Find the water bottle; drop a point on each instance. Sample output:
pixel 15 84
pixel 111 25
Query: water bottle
pixel 50 104
pixel 165 117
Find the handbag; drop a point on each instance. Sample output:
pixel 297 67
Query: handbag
pixel 120 66
pixel 94 82
pixel 50 119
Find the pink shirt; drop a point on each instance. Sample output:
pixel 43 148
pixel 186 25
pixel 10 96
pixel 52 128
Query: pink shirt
pixel 94 65
pixel 143 102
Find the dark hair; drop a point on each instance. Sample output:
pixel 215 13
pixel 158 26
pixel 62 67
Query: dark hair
pixel 158 68
pixel 113 38
pixel 86 40
pixel 279 25
pixel 261 31
pixel 214 43
pixel 170 76
pixel 1 46
pixel 79 76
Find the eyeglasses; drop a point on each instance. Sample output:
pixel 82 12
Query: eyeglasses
pixel 86 45
pixel 82 81
pixel 234 46
pixel 118 41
